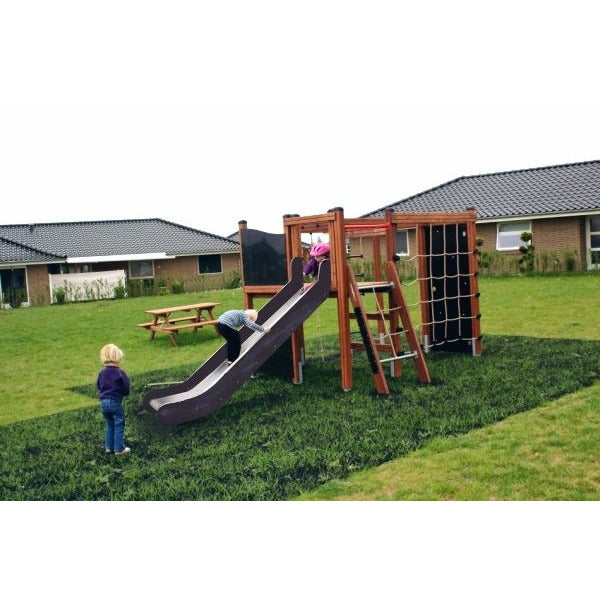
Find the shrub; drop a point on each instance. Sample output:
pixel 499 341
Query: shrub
pixel 60 295
pixel 527 260
pixel 140 287
pixel 178 286
pixel 548 262
pixel 235 281
pixel 120 290
pixel 570 259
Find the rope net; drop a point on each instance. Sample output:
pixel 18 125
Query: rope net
pixel 441 306
pixel 444 272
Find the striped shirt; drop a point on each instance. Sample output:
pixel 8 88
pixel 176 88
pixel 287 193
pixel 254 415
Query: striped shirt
pixel 237 318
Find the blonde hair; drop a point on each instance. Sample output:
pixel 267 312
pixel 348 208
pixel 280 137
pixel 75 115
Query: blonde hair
pixel 111 354
pixel 252 314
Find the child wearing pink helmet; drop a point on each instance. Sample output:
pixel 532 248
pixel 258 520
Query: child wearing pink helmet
pixel 318 252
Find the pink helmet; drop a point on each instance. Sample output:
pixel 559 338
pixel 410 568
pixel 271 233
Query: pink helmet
pixel 319 249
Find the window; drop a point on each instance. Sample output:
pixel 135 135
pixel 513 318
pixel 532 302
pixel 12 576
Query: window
pixel 209 263
pixel 594 242
pixel 13 287
pixel 58 269
pixel 141 269
pixel 402 242
pixel 509 234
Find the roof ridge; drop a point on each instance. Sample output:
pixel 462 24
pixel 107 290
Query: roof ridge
pixel 112 221
pixel 188 228
pixel 527 170
pixel 80 222
pixel 31 248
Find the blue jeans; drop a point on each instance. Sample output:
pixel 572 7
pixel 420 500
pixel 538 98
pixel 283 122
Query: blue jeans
pixel 114 415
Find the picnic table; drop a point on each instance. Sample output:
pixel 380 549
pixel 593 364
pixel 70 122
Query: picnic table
pixel 164 321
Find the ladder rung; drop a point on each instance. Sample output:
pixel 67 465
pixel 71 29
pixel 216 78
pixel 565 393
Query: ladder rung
pixel 374 316
pixel 399 357
pixel 375 286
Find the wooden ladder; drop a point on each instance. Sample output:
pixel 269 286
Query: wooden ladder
pixel 416 351
pixel 381 384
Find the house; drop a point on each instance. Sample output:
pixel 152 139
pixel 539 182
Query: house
pixel 92 258
pixel 558 205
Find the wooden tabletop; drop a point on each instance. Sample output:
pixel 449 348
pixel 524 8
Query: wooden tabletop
pixel 197 306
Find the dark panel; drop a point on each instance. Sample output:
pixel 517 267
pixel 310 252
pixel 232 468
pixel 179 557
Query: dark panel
pixel 449 287
pixel 264 257
pixel 280 363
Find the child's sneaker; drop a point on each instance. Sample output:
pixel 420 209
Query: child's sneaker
pixel 125 450
pixel 107 450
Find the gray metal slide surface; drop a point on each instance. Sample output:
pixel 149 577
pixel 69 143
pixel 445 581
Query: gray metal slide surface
pixel 211 385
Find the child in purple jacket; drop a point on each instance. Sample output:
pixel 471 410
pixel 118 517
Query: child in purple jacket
pixel 318 253
pixel 113 385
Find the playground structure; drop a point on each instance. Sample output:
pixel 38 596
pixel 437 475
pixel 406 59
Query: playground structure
pixel 272 268
pixel 446 274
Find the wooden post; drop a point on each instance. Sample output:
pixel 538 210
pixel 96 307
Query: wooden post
pixel 390 255
pixel 424 292
pixel 473 269
pixel 378 276
pixel 293 247
pixel 338 260
pixel 247 297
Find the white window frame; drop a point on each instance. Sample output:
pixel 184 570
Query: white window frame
pixel 407 253
pixel 521 230
pixel 131 276
pixel 25 302
pixel 588 242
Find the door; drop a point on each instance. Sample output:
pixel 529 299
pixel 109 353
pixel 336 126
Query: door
pixel 593 242
pixel 13 287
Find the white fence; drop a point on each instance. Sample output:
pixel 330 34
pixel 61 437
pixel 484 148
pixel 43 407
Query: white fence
pixel 74 287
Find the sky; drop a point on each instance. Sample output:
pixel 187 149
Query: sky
pixel 207 113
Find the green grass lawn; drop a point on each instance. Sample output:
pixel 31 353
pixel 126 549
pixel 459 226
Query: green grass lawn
pixel 274 440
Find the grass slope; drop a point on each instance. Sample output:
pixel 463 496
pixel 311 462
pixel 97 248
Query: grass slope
pixel 550 453
pixel 274 440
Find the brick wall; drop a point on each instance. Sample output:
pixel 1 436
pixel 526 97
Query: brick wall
pixel 185 268
pixel 38 284
pixel 559 236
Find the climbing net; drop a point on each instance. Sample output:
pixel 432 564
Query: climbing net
pixel 444 276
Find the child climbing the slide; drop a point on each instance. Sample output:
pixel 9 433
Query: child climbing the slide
pixel 228 325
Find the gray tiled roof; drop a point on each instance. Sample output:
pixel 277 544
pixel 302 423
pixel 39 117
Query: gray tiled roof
pixel 109 238
pixel 12 252
pixel 546 190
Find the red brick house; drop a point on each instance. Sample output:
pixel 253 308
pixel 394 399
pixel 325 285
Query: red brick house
pixel 143 253
pixel 558 205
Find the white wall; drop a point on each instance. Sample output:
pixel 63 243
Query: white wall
pixel 86 286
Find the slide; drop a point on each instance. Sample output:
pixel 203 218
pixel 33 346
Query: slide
pixel 210 386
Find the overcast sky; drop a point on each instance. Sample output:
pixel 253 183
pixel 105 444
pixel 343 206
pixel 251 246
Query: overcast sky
pixel 208 113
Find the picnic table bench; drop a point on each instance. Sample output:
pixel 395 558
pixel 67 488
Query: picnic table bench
pixel 164 322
